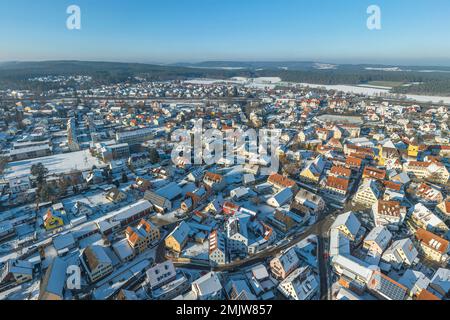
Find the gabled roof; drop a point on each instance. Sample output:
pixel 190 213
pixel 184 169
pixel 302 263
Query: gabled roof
pixel 341 171
pixel 379 235
pixel 432 241
pixel 426 295
pixel 280 181
pixel 337 183
pixel 374 173
pixel 170 191
pixel 389 208
pixel 94 255
pixel 348 219
pixel 213 177
pixel 181 232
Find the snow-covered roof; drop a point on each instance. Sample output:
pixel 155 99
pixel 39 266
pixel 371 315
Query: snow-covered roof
pixel 348 219
pixel 380 235
pixel 170 191
pixel 208 284
pixel 355 266
pixel 339 244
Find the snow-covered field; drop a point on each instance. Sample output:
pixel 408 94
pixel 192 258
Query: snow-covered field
pixel 372 91
pixel 56 164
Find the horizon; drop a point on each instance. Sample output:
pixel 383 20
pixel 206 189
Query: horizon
pixel 176 63
pixel 250 31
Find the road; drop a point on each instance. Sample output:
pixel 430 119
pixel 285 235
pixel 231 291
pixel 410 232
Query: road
pixel 323 261
pixel 321 226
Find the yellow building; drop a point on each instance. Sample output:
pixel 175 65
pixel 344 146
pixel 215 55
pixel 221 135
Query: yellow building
pixel 348 224
pixel 176 240
pixel 52 220
pixel 380 158
pixel 413 151
pixel 313 171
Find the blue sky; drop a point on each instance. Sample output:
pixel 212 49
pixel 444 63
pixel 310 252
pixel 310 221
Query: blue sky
pixel 413 31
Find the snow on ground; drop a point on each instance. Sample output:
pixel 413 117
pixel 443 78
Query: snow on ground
pixel 94 199
pixel 197 250
pixel 263 210
pixel 26 291
pixel 56 164
pixel 371 91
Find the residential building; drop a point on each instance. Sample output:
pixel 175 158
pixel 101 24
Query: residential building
pixel 52 220
pixel 237 236
pixel 282 265
pixel 389 214
pixel 401 253
pixel 433 247
pixel 386 288
pixel 178 238
pixel 432 171
pixel 52 286
pixel 422 217
pixel 377 240
pixel 368 193
pixel 135 137
pixel 348 224
pixel 16 271
pixel 280 182
pixel 301 284
pixel 208 287
pixel 96 262
pixel 313 171
pixel 215 181
pixel 306 201
pixel 443 210
pixel 337 186
pixel 374 173
pixel 218 254
pixel 142 236
pixel 115 195
pixel 440 282
pixel 281 198
pixel 161 274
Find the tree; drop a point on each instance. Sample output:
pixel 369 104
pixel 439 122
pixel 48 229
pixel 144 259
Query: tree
pixel 63 184
pixel 39 171
pixel 46 193
pixel 154 156
pixel 3 162
pixel 124 177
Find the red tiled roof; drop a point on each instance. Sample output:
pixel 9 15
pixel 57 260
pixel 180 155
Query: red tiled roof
pixel 392 185
pixel 426 295
pixel 279 180
pixel 213 176
pixel 371 172
pixel 341 171
pixel 352 161
pixel 432 241
pixel 337 183
pixel 389 208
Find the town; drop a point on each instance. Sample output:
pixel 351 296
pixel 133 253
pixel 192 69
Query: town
pixel 358 207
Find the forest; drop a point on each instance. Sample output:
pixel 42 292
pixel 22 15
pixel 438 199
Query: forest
pixel 16 75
